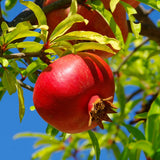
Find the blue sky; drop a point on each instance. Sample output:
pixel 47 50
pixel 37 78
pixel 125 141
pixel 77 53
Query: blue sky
pixel 21 149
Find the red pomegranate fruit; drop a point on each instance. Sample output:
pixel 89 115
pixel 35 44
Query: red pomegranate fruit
pixel 75 92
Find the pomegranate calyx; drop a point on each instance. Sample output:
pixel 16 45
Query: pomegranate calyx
pixel 99 111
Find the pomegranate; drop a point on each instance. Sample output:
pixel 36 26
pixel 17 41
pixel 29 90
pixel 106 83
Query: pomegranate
pixel 75 92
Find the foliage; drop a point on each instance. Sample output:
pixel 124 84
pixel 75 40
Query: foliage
pixel 26 50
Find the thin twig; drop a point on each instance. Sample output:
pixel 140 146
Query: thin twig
pixel 129 55
pixel 134 94
pixel 30 88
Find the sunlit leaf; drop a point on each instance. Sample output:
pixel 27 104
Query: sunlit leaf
pixel 21 101
pixel 153 124
pixel 73 8
pixel 92 46
pixel 113 4
pixel 9 4
pixel 143 145
pixel 30 47
pixel 136 27
pixel 4 27
pixel 90 36
pixel 9 81
pixel 108 17
pixel 4 62
pixel 151 3
pixel 135 132
pixel 37 11
pixel 95 144
pixel 65 25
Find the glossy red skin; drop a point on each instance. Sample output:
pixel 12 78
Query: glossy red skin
pixel 63 90
pixel 96 22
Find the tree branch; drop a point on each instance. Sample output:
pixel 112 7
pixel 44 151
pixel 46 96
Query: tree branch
pixel 129 55
pixel 30 88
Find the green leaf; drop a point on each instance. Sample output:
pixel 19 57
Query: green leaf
pixel 95 144
pixel 17 34
pixel 65 25
pixel 2 91
pixel 91 36
pixel 135 132
pixel 141 115
pixel 9 4
pixel 121 96
pixel 32 135
pixel 92 46
pixel 37 11
pixel 73 8
pixel 113 4
pixel 136 27
pixel 51 130
pixel 143 145
pixel 4 62
pixel 45 153
pixel 30 47
pixel 4 27
pixel 21 101
pixel 153 124
pixel 9 81
pixel 151 3
pixel 158 4
pixel 108 17
pixel 32 67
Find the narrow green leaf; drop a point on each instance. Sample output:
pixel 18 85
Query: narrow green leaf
pixel 143 145
pixel 65 25
pixel 30 47
pixel 121 96
pixel 136 27
pixel 2 91
pixel 153 124
pixel 95 144
pixel 141 115
pixel 151 3
pixel 108 17
pixel 37 11
pixel 4 27
pixel 9 81
pixel 32 67
pixel 45 153
pixel 92 46
pixel 90 36
pixel 158 4
pixel 32 135
pixel 4 62
pixel 73 8
pixel 135 132
pixel 21 101
pixel 9 4
pixel 113 4
pixel 17 34
pixel 51 130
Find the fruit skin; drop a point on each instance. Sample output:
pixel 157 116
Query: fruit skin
pixel 64 90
